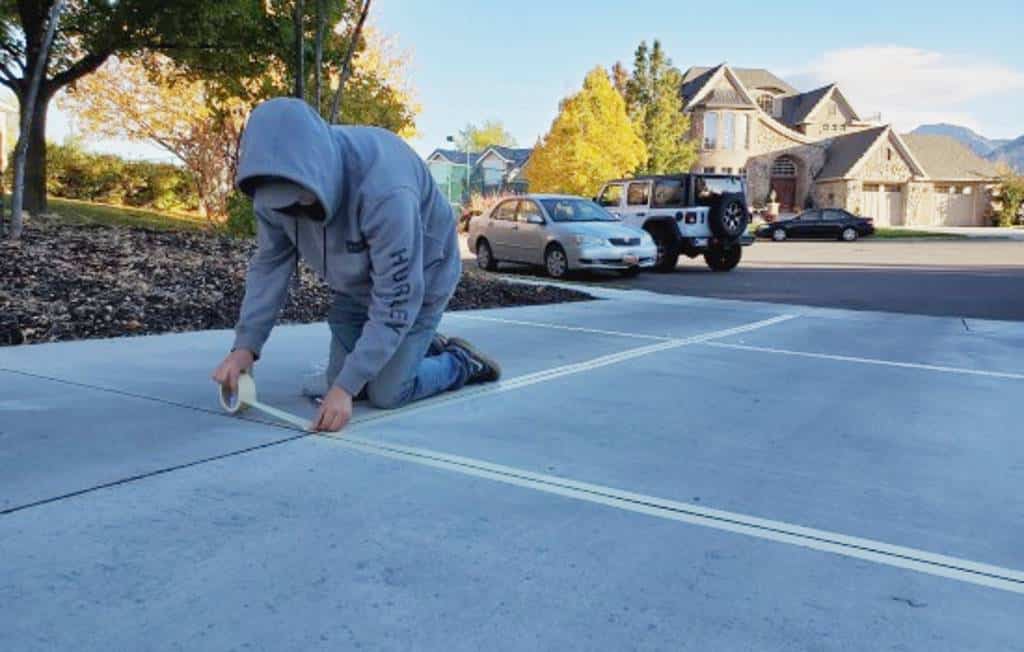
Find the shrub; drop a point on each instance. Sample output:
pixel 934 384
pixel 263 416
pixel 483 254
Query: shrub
pixel 1011 199
pixel 73 173
pixel 241 221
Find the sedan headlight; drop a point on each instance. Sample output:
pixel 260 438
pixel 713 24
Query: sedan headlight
pixel 590 241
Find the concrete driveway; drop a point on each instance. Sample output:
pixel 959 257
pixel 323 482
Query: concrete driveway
pixel 654 473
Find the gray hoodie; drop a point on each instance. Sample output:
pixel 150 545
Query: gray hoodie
pixel 388 242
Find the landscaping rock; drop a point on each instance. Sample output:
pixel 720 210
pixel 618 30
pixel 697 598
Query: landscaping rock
pixel 69 282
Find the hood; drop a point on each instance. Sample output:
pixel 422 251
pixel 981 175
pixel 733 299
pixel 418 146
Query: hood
pixel 600 229
pixel 286 138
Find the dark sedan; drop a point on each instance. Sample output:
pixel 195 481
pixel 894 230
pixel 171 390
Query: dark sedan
pixel 833 223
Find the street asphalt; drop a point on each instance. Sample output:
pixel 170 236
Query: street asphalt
pixel 654 472
pixel 955 278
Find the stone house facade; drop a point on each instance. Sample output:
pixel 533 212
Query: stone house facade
pixel 813 148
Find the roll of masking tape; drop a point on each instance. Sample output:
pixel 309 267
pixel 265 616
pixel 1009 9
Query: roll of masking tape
pixel 245 398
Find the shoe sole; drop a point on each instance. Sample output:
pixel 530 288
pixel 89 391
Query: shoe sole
pixel 492 365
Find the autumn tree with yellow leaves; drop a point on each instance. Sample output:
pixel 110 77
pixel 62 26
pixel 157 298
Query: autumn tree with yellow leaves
pixel 592 140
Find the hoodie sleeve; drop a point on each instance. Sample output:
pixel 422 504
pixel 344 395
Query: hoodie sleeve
pixel 266 285
pixel 394 233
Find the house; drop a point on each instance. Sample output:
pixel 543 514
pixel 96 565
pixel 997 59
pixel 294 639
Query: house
pixel 494 170
pixel 814 148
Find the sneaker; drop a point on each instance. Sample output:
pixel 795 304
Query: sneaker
pixel 481 368
pixel 438 345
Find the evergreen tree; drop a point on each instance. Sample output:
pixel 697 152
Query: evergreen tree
pixel 592 140
pixel 655 105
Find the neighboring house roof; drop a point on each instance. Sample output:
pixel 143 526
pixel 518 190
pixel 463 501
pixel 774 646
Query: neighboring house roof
pixel 797 108
pixel 708 92
pixel 847 150
pixel 454 156
pixel 518 156
pixel 944 157
pixel 750 77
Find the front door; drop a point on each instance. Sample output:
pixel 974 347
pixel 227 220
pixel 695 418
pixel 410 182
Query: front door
pixel 530 236
pixel 785 193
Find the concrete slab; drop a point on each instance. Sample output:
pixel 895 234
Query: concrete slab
pixel 313 546
pixel 310 544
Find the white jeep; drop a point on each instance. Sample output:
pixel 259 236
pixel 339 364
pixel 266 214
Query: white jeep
pixel 691 214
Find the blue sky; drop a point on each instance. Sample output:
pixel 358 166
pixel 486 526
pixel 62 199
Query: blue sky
pixel 912 61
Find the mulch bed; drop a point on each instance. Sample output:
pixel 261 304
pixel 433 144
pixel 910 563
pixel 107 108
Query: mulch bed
pixel 70 282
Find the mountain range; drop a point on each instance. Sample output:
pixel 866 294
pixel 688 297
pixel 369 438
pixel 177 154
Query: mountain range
pixel 1006 150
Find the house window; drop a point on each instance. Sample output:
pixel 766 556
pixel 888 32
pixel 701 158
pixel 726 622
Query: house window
pixel 833 109
pixel 888 153
pixel 784 166
pixel 726 170
pixel 742 172
pixel 710 130
pixel 729 130
pixel 767 103
pixel 743 138
pixel 709 170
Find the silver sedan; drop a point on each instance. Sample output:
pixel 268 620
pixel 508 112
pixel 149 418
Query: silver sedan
pixel 560 232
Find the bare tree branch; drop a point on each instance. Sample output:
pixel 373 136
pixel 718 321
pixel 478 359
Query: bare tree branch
pixel 346 68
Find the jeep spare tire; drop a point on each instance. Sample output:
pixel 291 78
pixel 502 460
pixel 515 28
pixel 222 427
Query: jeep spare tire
pixel 728 218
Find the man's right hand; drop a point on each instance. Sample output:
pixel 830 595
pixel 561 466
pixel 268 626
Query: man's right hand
pixel 227 372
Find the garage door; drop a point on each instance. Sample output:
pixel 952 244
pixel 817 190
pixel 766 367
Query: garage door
pixel 954 206
pixel 884 202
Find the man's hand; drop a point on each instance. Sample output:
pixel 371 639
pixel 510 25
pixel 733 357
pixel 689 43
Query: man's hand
pixel 335 411
pixel 227 372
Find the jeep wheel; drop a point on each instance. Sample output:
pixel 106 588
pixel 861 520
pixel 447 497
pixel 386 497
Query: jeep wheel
pixel 723 260
pixel 666 259
pixel 728 219
pixel 484 256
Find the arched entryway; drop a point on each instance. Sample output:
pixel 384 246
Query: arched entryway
pixel 783 182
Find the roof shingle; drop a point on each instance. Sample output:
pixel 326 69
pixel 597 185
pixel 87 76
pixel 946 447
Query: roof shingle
pixel 844 152
pixel 944 157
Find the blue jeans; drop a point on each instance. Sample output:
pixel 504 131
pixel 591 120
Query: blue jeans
pixel 410 375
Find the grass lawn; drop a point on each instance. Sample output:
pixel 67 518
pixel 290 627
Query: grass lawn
pixel 83 212
pixel 886 232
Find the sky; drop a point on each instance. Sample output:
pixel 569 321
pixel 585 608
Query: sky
pixel 913 62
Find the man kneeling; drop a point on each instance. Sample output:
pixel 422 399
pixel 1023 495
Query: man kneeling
pixel 362 210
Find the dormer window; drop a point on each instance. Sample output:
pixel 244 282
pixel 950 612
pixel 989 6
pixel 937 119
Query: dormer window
pixel 767 103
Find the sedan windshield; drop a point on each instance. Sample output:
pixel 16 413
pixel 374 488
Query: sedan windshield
pixel 576 210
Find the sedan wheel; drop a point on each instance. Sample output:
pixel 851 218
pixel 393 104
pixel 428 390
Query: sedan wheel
pixel 778 235
pixel 555 262
pixel 849 234
pixel 484 256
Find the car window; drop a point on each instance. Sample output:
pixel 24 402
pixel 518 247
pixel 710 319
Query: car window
pixel 708 186
pixel 527 209
pixel 612 195
pixel 810 216
pixel 639 194
pixel 505 211
pixel 576 210
pixel 668 193
pixel 835 216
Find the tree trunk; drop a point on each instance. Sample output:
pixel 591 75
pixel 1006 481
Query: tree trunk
pixel 318 55
pixel 300 55
pixel 346 67
pixel 35 162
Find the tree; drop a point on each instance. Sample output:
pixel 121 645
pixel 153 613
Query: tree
pixel 655 105
pixel 29 96
pixel 590 141
pixel 620 78
pixel 478 138
pixel 147 98
pixel 1010 197
pixel 208 34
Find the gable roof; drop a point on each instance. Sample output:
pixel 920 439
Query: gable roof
pixel 518 156
pixel 796 108
pixel 846 153
pixel 847 150
pixel 707 94
pixel 751 78
pixel 455 156
pixel 944 157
